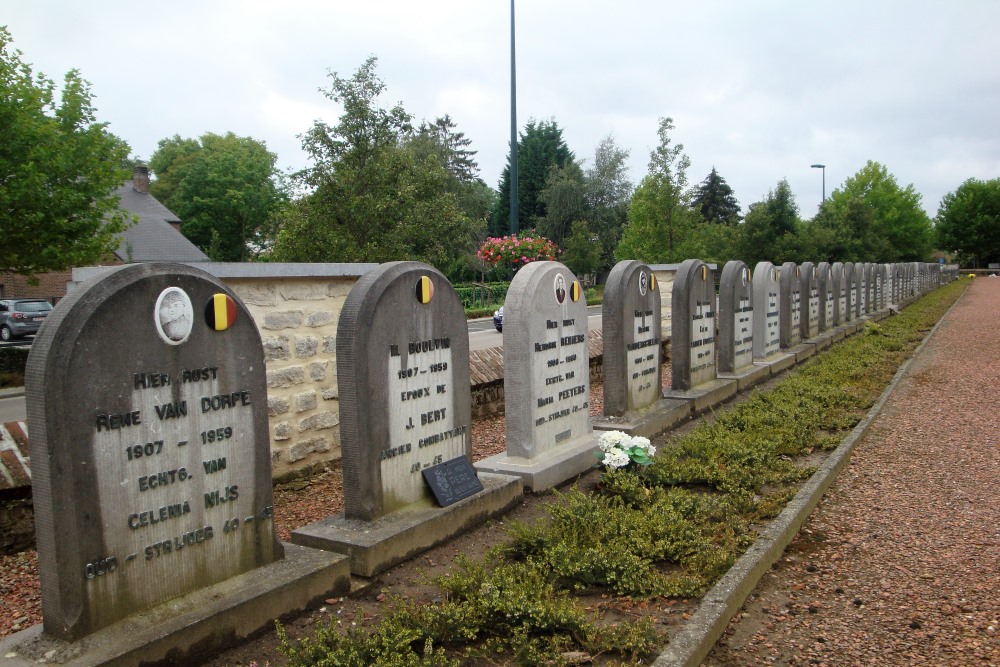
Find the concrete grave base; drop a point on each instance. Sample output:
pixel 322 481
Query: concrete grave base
pixel 374 546
pixel 706 395
pixel 747 376
pixel 657 418
pixel 549 469
pixel 197 624
pixel 836 335
pixel 777 362
pixel 851 328
pixel 822 341
pixel 802 351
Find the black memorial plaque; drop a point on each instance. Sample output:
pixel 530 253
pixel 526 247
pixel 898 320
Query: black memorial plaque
pixel 452 480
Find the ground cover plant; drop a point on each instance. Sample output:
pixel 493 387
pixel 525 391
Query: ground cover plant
pixel 652 532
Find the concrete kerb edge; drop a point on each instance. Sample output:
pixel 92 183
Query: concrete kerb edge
pixel 692 644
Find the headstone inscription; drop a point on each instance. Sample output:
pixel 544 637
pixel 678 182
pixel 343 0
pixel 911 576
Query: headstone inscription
pixel 839 293
pixel 151 460
pixel 809 288
pixel 405 397
pixel 824 283
pixel 736 318
pixel 881 285
pixel 892 284
pixel 790 282
pixel 631 316
pixel 693 334
pixel 766 304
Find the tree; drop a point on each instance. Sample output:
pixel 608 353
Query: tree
pixel 968 222
pixel 59 169
pixel 872 219
pixel 372 199
pixel 769 231
pixel 565 201
pixel 540 147
pixel 582 252
pixel 660 221
pixel 608 193
pixel 715 201
pixel 225 189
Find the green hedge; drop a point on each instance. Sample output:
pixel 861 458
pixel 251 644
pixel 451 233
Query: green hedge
pixel 482 295
pixel 13 359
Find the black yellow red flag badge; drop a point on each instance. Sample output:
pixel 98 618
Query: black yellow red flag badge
pixel 425 289
pixel 220 312
pixel 574 290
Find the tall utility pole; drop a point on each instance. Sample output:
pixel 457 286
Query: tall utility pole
pixel 513 129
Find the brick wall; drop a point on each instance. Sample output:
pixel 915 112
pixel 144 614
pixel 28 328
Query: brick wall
pixel 51 286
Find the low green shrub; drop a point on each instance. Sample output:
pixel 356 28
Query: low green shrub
pixel 671 528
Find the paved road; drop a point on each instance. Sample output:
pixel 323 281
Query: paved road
pixel 13 409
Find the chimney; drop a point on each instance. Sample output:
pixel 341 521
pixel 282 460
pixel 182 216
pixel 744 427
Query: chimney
pixel 140 178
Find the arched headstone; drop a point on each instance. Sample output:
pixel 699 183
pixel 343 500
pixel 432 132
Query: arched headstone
pixel 766 304
pixel 789 277
pixel 631 318
pixel 693 333
pixel 809 289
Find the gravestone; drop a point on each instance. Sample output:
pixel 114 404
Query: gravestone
pixel 790 281
pixel 631 317
pixel 546 379
pixel 736 327
pixel 693 343
pixel 693 336
pixel 405 409
pixel 863 271
pixel 850 292
pixel 828 302
pixel 857 290
pixel 839 293
pixel 151 466
pixel 633 392
pixel 766 305
pixel 809 289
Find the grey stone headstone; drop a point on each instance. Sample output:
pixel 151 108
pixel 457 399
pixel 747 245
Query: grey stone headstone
pixel 693 326
pixel 403 375
pixel 824 283
pixel 839 293
pixel 789 277
pixel 736 317
pixel 809 289
pixel 631 316
pixel 546 360
pixel 882 285
pixel 766 307
pixel 851 292
pixel 862 272
pixel 857 290
pixel 150 451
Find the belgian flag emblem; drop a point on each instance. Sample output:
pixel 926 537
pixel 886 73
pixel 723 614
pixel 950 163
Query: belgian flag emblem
pixel 652 281
pixel 425 289
pixel 574 290
pixel 220 312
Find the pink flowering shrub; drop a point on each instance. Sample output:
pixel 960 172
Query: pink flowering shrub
pixel 516 251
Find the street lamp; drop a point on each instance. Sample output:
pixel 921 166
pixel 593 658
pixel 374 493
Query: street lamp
pixel 823 167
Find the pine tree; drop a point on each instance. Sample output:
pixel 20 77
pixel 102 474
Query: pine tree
pixel 715 201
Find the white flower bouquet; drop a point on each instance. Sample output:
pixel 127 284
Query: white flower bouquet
pixel 618 450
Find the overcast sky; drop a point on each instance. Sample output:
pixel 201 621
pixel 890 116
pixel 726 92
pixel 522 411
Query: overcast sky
pixel 760 90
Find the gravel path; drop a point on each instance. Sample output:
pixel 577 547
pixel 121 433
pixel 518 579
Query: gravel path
pixel 900 564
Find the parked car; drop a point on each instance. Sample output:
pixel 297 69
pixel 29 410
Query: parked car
pixel 22 317
pixel 498 319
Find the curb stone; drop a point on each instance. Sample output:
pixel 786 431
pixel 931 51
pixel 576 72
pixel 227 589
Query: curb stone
pixel 698 636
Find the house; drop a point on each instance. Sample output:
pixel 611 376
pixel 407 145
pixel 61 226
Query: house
pixel 156 237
